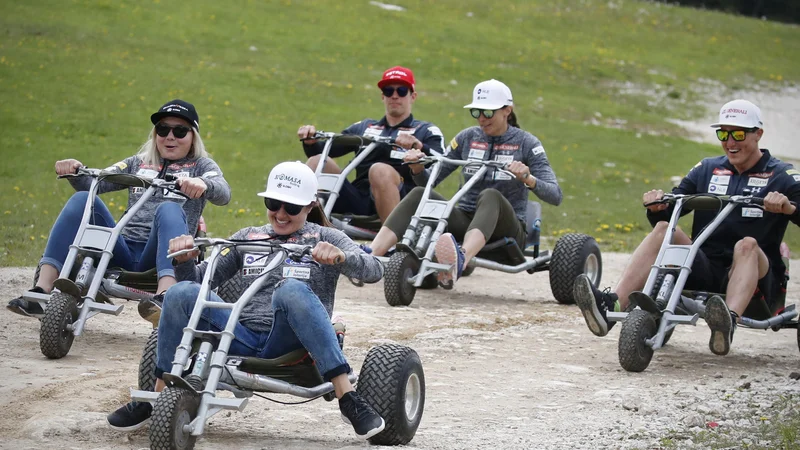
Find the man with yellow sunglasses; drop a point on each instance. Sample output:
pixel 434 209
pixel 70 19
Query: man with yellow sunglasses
pixel 742 255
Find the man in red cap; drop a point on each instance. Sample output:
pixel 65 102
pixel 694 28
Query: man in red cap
pixel 381 181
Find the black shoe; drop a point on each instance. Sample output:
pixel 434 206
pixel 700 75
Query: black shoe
pixel 130 417
pixel 722 323
pixel 150 310
pixel 358 413
pixel 594 304
pixel 25 308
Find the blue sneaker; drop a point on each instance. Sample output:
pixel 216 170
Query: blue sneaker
pixel 448 252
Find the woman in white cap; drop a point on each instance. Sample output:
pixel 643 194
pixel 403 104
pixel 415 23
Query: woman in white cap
pixel 495 207
pixel 174 140
pixel 292 310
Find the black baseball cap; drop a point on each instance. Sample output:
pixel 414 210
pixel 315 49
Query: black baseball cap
pixel 177 108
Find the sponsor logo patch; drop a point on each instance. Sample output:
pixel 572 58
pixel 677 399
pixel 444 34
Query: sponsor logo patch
pixel 506 147
pixel 479 145
pixel 476 154
pixel 721 179
pixel 720 171
pixel 453 144
pixel 303 273
pixel 760 182
pixel 717 188
pixel 752 212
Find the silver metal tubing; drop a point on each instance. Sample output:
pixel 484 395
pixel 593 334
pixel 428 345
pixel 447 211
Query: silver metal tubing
pixel 256 382
pixel 779 319
pixel 529 263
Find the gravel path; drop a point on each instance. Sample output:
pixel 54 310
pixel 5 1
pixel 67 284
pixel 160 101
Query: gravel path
pixel 506 367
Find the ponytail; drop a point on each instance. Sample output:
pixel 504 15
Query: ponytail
pixel 317 216
pixel 512 120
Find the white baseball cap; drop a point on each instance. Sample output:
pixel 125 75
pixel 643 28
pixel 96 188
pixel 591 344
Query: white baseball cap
pixel 739 113
pixel 291 182
pixel 491 94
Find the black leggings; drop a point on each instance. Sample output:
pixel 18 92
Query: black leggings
pixel 493 216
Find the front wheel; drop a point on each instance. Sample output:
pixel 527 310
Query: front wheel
pixel 173 410
pixel 55 335
pixel 392 381
pixel 396 287
pixel 573 255
pixel 634 353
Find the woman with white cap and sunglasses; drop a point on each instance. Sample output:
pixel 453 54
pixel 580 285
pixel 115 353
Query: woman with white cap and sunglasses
pixel 142 245
pixel 292 310
pixel 495 207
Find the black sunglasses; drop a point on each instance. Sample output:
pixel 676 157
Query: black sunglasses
pixel 179 131
pixel 402 91
pixel 488 113
pixel 290 208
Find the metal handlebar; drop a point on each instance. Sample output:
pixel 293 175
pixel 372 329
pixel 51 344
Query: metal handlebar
pixel 437 158
pixel 295 251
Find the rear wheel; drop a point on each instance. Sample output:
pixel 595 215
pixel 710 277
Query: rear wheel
pixel 634 353
pixel 393 382
pixel 147 364
pixel 173 410
pixel 574 254
pixel 396 287
pixel 55 335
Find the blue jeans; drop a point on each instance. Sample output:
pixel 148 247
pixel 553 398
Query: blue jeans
pixel 169 222
pixel 300 321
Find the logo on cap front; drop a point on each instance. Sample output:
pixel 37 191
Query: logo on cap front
pixel 292 181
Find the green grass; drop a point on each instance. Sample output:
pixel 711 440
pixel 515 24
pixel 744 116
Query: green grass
pixel 80 78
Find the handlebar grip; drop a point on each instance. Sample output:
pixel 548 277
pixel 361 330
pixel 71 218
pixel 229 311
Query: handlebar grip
pixel 182 252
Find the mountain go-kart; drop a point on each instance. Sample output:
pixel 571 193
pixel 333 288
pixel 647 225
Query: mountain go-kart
pixel 330 184
pixel 86 284
pixel 663 303
pixel 412 266
pixel 391 377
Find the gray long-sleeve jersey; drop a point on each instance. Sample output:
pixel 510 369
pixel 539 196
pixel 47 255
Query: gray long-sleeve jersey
pixel 514 145
pixel 138 229
pixel 258 313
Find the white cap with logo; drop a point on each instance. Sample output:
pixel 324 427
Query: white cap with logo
pixel 491 94
pixel 291 182
pixel 739 113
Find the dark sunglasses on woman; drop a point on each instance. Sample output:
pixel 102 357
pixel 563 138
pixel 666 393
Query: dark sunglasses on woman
pixel 402 91
pixel 179 131
pixel 488 113
pixel 290 208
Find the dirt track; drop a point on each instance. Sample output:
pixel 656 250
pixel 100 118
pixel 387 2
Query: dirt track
pixel 505 365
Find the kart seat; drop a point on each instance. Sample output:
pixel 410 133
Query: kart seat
pixel 296 367
pixel 506 250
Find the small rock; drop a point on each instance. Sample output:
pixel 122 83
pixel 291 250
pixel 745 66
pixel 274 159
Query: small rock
pixel 452 368
pixel 745 385
pixel 743 376
pixel 694 420
pixel 795 375
pixel 718 375
pixel 630 406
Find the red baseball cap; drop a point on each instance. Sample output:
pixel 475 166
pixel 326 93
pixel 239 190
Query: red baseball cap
pixel 398 74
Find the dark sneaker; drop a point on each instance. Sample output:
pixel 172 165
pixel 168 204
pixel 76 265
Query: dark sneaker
pixel 448 252
pixel 130 417
pixel 722 323
pixel 150 310
pixel 594 304
pixel 25 308
pixel 358 413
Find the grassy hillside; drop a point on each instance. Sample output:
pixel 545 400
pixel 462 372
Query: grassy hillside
pixel 79 78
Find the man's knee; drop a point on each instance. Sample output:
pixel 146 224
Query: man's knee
pixel 745 247
pixel 383 175
pixel 313 162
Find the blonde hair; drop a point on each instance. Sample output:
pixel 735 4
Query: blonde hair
pixel 148 152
